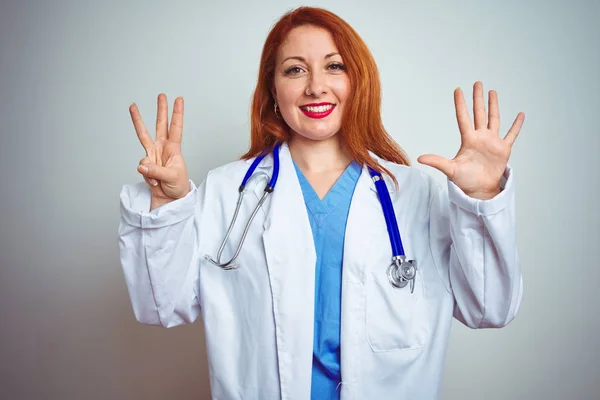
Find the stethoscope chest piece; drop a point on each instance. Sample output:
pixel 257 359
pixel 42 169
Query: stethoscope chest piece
pixel 401 272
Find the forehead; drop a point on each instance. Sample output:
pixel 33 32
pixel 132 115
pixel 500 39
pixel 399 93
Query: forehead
pixel 308 42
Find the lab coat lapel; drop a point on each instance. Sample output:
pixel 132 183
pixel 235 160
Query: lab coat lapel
pixel 366 231
pixel 363 227
pixel 291 259
pixel 366 239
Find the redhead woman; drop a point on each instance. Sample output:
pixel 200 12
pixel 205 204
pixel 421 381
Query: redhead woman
pixel 323 265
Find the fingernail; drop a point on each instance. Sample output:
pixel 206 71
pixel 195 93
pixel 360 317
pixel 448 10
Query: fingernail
pixel 143 168
pixel 153 182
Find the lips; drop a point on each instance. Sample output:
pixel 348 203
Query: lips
pixel 317 110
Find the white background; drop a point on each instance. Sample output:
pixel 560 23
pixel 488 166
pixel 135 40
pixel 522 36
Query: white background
pixel 69 70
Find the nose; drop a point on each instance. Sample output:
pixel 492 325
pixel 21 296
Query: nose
pixel 317 84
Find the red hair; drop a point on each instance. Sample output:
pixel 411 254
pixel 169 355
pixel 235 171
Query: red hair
pixel 362 129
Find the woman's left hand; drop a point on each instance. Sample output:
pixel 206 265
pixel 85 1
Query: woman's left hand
pixel 482 158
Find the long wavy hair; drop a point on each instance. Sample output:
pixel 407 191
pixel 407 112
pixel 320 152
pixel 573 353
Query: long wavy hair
pixel 361 128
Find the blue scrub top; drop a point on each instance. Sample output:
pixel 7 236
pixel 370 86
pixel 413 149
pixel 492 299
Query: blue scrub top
pixel 328 222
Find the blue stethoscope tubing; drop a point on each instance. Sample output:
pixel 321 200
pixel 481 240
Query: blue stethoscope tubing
pixel 271 186
pixel 400 272
pixel 388 213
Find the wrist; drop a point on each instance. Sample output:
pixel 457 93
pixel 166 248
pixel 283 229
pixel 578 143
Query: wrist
pixel 159 202
pixel 486 195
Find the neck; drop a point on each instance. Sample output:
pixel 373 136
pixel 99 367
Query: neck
pixel 319 156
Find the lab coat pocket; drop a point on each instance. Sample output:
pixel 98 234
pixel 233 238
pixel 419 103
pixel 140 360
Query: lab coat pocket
pixel 396 319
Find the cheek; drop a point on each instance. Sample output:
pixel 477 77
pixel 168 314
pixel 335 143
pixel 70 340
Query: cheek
pixel 287 93
pixel 341 88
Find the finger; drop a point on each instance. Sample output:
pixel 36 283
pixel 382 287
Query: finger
pixel 162 117
pixel 140 128
pixel 150 181
pixel 494 119
pixel 478 106
pixel 176 129
pixel 514 130
pixel 462 115
pixel 157 172
pixel 439 163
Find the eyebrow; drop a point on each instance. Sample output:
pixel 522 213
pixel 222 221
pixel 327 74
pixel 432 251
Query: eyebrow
pixel 304 60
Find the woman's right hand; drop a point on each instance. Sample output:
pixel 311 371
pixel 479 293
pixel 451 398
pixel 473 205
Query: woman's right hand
pixel 163 167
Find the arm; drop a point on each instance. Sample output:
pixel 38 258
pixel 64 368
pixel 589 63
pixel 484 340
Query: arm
pixel 472 227
pixel 473 244
pixel 159 255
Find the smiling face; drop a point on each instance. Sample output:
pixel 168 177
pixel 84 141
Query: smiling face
pixel 310 85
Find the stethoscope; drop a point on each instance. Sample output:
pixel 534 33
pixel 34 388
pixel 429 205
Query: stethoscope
pixel 400 272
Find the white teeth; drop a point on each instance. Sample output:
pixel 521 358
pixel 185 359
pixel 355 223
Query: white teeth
pixel 318 109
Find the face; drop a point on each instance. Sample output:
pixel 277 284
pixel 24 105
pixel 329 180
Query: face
pixel 311 86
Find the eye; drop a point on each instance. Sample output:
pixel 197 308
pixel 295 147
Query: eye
pixel 336 67
pixel 293 71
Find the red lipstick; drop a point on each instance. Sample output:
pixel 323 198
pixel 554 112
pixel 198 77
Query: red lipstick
pixel 327 109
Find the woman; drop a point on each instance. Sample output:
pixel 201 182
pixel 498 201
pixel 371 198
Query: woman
pixel 309 307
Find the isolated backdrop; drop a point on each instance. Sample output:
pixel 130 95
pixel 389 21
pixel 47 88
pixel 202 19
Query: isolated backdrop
pixel 69 70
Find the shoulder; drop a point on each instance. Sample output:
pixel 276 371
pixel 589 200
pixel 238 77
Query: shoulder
pixel 409 176
pixel 221 184
pixel 229 170
pixel 416 188
pixel 227 173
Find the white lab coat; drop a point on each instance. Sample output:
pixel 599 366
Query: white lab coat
pixel 259 318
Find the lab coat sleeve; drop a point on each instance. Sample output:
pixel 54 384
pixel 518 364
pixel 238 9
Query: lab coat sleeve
pixel 473 243
pixel 159 255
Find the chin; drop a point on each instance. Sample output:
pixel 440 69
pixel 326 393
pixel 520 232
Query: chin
pixel 317 134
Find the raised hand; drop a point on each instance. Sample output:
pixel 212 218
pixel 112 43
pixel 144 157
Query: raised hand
pixel 483 155
pixel 163 167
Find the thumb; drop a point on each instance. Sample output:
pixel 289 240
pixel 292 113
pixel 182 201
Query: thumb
pixel 157 172
pixel 437 162
pixel 146 161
